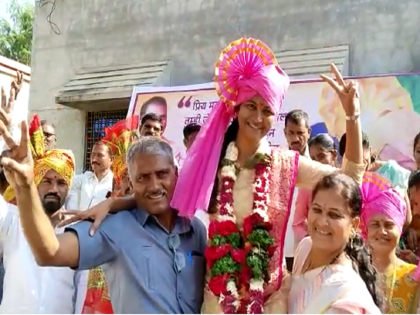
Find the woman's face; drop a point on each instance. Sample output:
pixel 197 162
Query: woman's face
pixel 330 225
pixel 255 119
pixel 383 234
pixel 320 154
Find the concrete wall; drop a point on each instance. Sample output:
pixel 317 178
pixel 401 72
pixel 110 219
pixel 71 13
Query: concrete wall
pixel 383 37
pixel 8 69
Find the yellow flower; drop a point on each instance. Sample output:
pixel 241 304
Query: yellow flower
pixel 378 97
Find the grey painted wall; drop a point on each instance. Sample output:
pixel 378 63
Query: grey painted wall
pixel 383 36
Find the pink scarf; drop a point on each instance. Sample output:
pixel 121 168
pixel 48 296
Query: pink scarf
pixel 380 198
pixel 246 68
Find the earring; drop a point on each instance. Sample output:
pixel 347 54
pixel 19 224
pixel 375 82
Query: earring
pixel 351 243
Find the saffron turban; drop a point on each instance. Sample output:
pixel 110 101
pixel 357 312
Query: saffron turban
pixel 61 161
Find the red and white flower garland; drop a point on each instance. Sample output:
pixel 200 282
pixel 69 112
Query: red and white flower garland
pixel 239 260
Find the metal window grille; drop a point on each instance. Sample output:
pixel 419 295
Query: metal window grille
pixel 95 125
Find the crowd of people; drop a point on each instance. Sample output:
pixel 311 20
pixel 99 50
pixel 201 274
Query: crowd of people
pixel 239 228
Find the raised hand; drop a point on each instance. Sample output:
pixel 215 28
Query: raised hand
pixel 6 107
pixel 17 161
pixel 96 214
pixel 346 91
pixel 17 83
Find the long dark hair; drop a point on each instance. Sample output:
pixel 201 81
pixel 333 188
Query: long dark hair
pixel 230 136
pixel 355 249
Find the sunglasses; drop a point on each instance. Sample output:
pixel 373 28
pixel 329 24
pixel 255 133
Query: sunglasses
pixel 174 242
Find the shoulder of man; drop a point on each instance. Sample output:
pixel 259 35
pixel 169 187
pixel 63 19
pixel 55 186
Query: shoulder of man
pixel 112 222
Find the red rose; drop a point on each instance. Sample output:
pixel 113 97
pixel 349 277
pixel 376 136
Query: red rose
pixel 248 226
pixel 213 228
pixel 228 228
pixel 213 253
pixel 217 284
pixel 238 255
pixel 251 222
pixel 223 228
pixel 267 226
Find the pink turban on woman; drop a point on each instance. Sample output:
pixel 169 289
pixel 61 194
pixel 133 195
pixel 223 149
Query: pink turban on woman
pixel 379 197
pixel 246 68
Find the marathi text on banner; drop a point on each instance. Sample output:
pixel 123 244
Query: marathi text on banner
pixel 386 103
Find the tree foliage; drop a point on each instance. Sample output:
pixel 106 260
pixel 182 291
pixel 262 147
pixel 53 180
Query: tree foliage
pixel 16 32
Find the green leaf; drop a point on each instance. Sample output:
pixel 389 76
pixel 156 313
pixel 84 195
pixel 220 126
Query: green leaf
pixel 225 265
pixel 232 239
pixel 16 37
pixel 258 262
pixel 261 238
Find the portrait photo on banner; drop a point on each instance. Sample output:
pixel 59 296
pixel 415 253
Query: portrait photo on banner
pixel 388 103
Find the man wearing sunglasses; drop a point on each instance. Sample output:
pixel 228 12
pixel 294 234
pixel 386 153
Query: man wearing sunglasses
pixel 50 137
pixel 152 258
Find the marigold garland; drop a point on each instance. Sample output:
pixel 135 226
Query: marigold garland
pixel 239 260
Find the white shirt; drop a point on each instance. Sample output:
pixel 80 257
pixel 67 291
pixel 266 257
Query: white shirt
pixel 289 241
pixel 29 288
pixel 203 216
pixel 86 191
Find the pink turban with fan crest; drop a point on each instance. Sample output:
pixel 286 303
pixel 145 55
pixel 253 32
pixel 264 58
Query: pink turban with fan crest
pixel 379 197
pixel 246 68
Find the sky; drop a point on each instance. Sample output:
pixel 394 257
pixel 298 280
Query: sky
pixel 4 3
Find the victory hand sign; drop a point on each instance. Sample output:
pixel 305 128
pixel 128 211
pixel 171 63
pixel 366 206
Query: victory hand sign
pixel 346 91
pixel 17 83
pixel 7 105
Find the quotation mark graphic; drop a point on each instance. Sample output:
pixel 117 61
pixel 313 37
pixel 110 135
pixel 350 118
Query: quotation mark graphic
pixel 184 103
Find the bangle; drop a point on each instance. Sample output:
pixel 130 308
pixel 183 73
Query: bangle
pixel 354 117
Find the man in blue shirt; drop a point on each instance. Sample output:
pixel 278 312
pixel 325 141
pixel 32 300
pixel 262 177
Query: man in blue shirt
pixel 152 258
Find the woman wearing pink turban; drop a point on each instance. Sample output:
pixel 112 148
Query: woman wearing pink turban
pixel 247 187
pixel 382 220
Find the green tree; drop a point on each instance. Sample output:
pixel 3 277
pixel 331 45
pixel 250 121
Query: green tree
pixel 16 32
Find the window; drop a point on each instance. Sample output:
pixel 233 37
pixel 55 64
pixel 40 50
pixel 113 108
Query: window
pixel 95 125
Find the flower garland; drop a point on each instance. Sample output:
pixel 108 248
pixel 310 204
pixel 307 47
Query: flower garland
pixel 239 262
